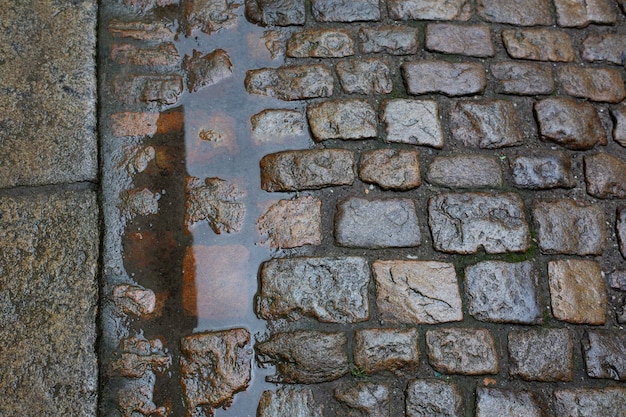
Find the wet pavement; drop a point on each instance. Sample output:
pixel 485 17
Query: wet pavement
pixel 316 208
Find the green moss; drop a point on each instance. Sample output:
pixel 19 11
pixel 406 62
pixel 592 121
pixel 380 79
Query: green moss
pixel 358 372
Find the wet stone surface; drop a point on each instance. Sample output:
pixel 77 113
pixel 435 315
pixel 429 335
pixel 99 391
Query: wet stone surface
pixel 433 398
pixel 541 355
pixel 580 13
pixel 165 55
pixel 552 170
pixel 206 70
pixel 391 169
pixel 394 40
pixel 619 130
pixel 386 349
pixel 515 12
pixel 429 9
pixel 365 398
pixel 368 76
pixel 413 121
pixel 493 402
pixel 469 40
pixel 215 201
pixel 590 402
pixel 451 79
pixel 291 83
pixel 539 45
pixel 209 16
pixel 605 355
pixel 462 351
pixel 277 125
pixel 605 176
pixel 597 84
pixel 345 10
pixel 135 300
pixel 289 402
pixel 275 13
pixel 522 78
pixel 621 230
pixel 345 119
pixel 292 223
pixel 138 356
pixel 157 89
pixel 320 43
pixel 606 47
pixel 465 171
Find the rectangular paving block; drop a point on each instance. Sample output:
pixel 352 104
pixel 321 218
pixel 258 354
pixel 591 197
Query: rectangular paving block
pixel 296 82
pixel 589 402
pixel 605 354
pixel 429 9
pixel 462 351
pixel 539 44
pixel 541 355
pixel 342 119
pixel 433 398
pixel 443 77
pixel 345 10
pixel 386 349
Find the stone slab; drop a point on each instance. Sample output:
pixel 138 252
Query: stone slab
pixel 289 402
pixel 296 82
pixel 621 230
pixel 471 40
pixel 369 398
pixel 342 119
pixel 541 355
pixel 275 13
pixel 465 171
pixel 292 223
pixel 345 10
pixel 429 9
pixel 545 171
pixel 443 77
pixel 393 40
pixel 320 43
pixel 619 129
pixel 597 84
pixel 580 13
pixel 516 12
pixel 522 78
pixel 492 402
pixel 365 76
pixel 415 122
pixel 605 47
pixel 391 169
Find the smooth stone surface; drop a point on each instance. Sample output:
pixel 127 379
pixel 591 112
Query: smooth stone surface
pixel 605 354
pixel 580 13
pixel 386 349
pixel 541 355
pixel 597 84
pixel 541 172
pixel 462 351
pixel 275 125
pixel 465 171
pixel 391 169
pixel 433 398
pixel 415 122
pixel 472 40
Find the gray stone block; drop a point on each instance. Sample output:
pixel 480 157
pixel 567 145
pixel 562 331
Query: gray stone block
pixel 541 355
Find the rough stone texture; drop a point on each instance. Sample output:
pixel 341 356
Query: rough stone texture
pixel 463 223
pixel 605 176
pixel 413 292
pixel 143 31
pixel 539 44
pixel 472 40
pixel 137 355
pixel 289 402
pixel 307 169
pixel 451 79
pixel 597 84
pixel 570 227
pixel 214 366
pixel 136 397
pixel 589 402
pixel 276 13
pixel 516 12
pixel 429 9
pixel 619 129
pixel 305 357
pixel 320 43
pixel 209 16
pixel 621 230
pixel 382 223
pixel 216 201
pixel 577 291
pixel 141 202
pixel 49 291
pixel 465 171
pixel 135 124
pixel 345 10
pixel 487 124
pixel 432 398
pixel 205 70
pixel 274 125
pixel 134 300
pixel 369 398
pixel 569 123
pixel 580 13
pixel 332 290
pixel 148 89
pixel 617 279
pixel 492 402
pixel 292 223
pixel 605 47
pixel 367 76
pixel 393 40
pixel 385 349
pixel 550 170
pixel 296 82
pixel 391 169
pixel 413 121
pixel 342 119
pixel 522 78
pixel 165 54
pixel 462 351
pixel 541 355
pixel 503 292
pixel 48 100
pixel 605 354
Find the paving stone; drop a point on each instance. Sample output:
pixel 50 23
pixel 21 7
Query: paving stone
pixel 332 290
pixel 462 351
pixel 605 47
pixel 209 16
pixel 589 402
pixel 539 44
pixel 276 13
pixel 214 366
pixel 216 201
pixel 414 292
pixel 289 402
pixel 136 398
pixel 296 82
pixel 305 357
pixel 380 223
pixel 206 70
pixel 137 355
pixel 572 124
pixel 134 124
pixel 369 398
pixel 307 169
pixel 580 13
pixel 140 202
pixel 391 169
pixel 148 89
pixel 570 227
pixel 143 6
pixel 49 261
pixel 367 76
pixel 621 230
pixel 393 40
pixel 449 78
pixel 619 128
pixel 464 223
pixel 605 176
pixel 597 84
pixel 541 355
pixel 550 170
pixel 472 40
pixel 275 125
pixel 143 31
pixel 577 291
pixel 465 171
pixel 492 402
pixel 432 398
pixel 415 122
pixel 320 43
pixel 487 124
pixel 503 292
pixel 516 12
pixel 605 354
pixel 342 119
pixel 135 300
pixel 429 9
pixel 386 349
pixel 522 78
pixel 48 132
pixel 345 10
pixel 292 223
pixel 617 279
pixel 164 54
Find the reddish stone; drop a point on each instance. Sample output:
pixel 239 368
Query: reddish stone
pixel 580 13
pixel 143 31
pixel 320 43
pixel 472 40
pixel 597 84
pixel 605 176
pixel 393 40
pixel 149 89
pixel 516 12
pixel 545 355
pixel 605 47
pixel 619 130
pixel 292 223
pixel 209 15
pixel 462 351
pixel 206 70
pixel 391 169
pixel 539 44
pixel 165 54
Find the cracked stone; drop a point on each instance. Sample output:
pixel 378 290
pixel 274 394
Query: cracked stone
pixel 516 12
pixel 539 45
pixel 432 398
pixel 413 121
pixel 462 351
pixel 292 223
pixel 158 89
pixel 137 355
pixel 367 76
pixel 369 398
pixel 414 292
pixel 541 355
pixel 289 402
pixel 588 402
pixel 275 125
pixel 522 78
pixel 390 169
pixel 143 31
pixel 471 40
pixel 165 54
pixel 492 402
pixel 429 9
pixel 393 40
pixel 605 176
pixel 216 201
pixel 386 349
pixel 621 230
pixel 465 171
pixel 597 84
pixel 276 13
pixel 619 129
pixel 580 13
pixel 550 170
pixel 206 70
pixel 345 10
pixel 451 79
pixel 209 16
pixel 291 83
pixel 134 300
pixel 605 354
pixel 463 223
pixel 320 43
pixel 332 290
pixel 382 223
pixel 342 119
pixel 605 47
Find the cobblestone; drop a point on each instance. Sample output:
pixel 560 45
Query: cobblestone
pixel 276 13
pixel 206 70
pixel 588 402
pixel 413 121
pixel 551 170
pixel 433 398
pixel 429 9
pixel 137 355
pixel 289 402
pixel 465 171
pixel 539 44
pixel 619 129
pixel 597 84
pixel 320 43
pixel 292 223
pixel 462 351
pixel 369 398
pixel 391 169
pixel 472 40
pixel 345 10
pixel 515 12
pixel 580 13
pixel 617 279
pixel 367 76
pixel 605 47
pixel 342 119
pixel 386 349
pixel 394 40
pixel 451 79
pixel 492 402
pixel 275 125
pixel 157 89
pixel 216 201
pixel 605 354
pixel 209 16
pixel 522 78
pixel 541 355
pixel 165 54
pixel 291 83
pixel 621 230
pixel 605 176
pixel 144 31
pixel 135 300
